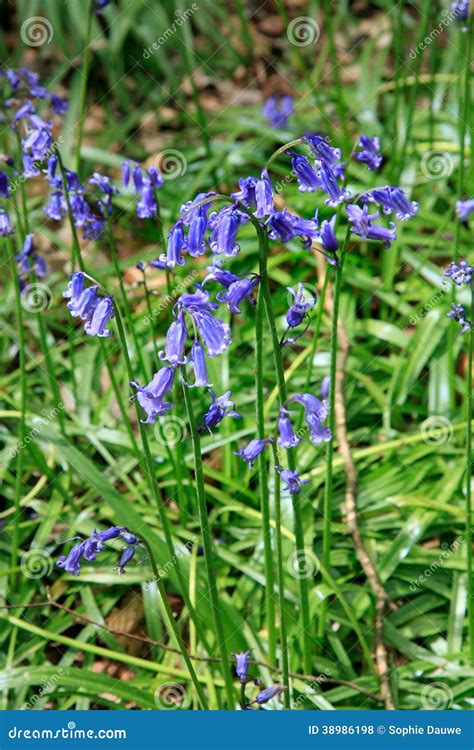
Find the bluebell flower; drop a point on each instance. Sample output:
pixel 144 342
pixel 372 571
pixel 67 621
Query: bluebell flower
pixel 298 309
pixel 105 186
pixel 58 104
pixel 460 273
pixel 308 179
pixel 237 292
pixel 190 209
pixel 56 208
pixel 393 200
pixel 263 196
pixel 4 185
pixel 126 173
pixel 277 110
pixel 369 152
pixel 93 545
pixel 225 224
pixel 103 312
pixel 322 149
pixel 331 186
pixel 325 387
pixel 458 314
pixel 198 359
pixel 147 206
pixel 460 9
pixel 242 665
pixel 292 481
pixel 28 260
pixel 151 396
pixel 214 333
pixel 173 255
pixel 327 237
pixel 223 277
pixel 464 209
pixel 362 224
pixel 79 208
pixel 220 408
pixel 198 300
pixel 287 436
pixel 5 226
pixel 270 692
pixel 246 192
pixel 175 341
pixel 315 412
pixel 194 243
pixel 251 451
pixel 286 226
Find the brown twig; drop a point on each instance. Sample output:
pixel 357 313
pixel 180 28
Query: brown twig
pixel 382 601
pixel 207 659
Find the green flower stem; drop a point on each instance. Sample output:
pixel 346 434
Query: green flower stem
pixel 22 421
pixel 469 472
pixel 125 302
pixel 282 393
pixel 155 489
pixel 40 319
pixel 173 628
pixel 84 80
pixel 208 550
pixel 77 260
pixel 328 494
pixel 284 661
pixel 263 484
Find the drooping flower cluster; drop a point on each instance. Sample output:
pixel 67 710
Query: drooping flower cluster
pixel 277 110
pixel 29 261
pixel 462 275
pixel 89 548
pixel 84 303
pixel 464 209
pixel 368 152
pixel 145 183
pixel 460 9
pixel 242 663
